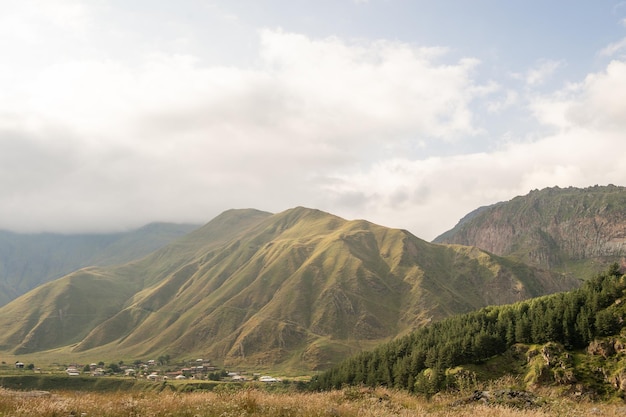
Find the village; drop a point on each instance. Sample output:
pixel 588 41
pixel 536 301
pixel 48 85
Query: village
pixel 159 370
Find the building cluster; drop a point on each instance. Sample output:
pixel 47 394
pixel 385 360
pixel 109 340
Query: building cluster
pixel 199 369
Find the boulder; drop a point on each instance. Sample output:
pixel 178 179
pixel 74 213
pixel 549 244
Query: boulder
pixel 604 348
pixel 504 397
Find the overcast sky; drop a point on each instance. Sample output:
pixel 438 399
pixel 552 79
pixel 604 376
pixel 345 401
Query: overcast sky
pixel 410 114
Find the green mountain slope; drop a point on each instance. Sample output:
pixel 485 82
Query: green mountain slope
pixel 575 339
pixel 29 260
pixel 300 289
pixel 568 229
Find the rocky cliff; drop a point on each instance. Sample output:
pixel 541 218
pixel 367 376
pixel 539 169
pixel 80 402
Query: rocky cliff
pixel 559 228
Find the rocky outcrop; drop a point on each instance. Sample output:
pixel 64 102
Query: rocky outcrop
pixel 548 364
pixel 505 397
pixel 551 353
pixel 619 380
pixel 604 348
pixel 607 347
pixel 550 227
pixel 611 349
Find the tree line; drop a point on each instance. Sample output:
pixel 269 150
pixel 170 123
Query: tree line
pixel 571 318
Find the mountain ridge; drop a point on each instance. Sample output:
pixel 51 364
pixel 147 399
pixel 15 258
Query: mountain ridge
pixel 300 288
pixel 29 260
pixel 566 229
pixel 572 340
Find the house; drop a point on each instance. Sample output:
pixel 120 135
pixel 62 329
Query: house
pixel 268 379
pixel 154 376
pixel 173 374
pixel 19 365
pixel 72 371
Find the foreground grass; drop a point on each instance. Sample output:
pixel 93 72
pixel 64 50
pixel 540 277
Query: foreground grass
pixel 256 402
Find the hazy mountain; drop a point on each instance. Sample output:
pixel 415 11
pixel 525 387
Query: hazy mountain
pixel 29 260
pixel 567 229
pixel 301 288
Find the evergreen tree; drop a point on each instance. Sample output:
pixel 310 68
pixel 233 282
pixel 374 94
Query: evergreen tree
pixel 418 362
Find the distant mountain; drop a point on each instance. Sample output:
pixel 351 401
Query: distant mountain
pixel 566 229
pixel 29 260
pixel 298 289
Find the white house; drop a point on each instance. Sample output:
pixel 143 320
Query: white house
pixel 72 371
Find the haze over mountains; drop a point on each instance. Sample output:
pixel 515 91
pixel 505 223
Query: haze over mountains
pixel 301 288
pixel 29 260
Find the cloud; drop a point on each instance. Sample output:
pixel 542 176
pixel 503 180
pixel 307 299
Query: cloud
pixel 510 99
pixel 436 192
pixel 363 89
pixel 95 144
pixel 540 73
pixel 96 141
pixel 613 48
pixel 597 103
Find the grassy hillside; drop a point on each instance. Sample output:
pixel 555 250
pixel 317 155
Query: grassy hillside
pixel 299 289
pixel 574 339
pixel 263 402
pixel 29 260
pixel 573 230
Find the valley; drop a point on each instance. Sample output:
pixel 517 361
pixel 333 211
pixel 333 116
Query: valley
pixel 299 292
pixel 294 290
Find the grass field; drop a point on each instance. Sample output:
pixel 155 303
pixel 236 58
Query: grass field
pixel 250 401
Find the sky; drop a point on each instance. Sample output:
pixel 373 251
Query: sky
pixel 409 114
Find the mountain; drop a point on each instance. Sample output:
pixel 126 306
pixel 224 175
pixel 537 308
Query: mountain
pixel 28 260
pixel 574 339
pixel 300 289
pixel 566 229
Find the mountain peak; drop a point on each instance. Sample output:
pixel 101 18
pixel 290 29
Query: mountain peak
pixel 562 228
pixel 301 288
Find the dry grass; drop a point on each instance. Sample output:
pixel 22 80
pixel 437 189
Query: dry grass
pixel 254 402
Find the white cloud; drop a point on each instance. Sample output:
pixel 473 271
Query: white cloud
pixel 613 48
pixel 428 196
pixel 34 29
pixel 102 142
pixel 96 141
pixel 540 73
pixel 596 103
pixel 510 99
pixel 363 89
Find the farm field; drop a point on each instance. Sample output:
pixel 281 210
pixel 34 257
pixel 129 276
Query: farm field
pixel 251 401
